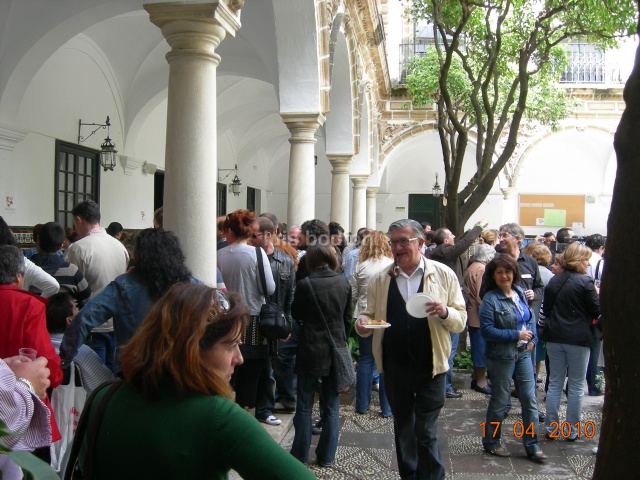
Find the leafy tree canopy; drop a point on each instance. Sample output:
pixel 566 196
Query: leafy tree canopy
pixel 497 64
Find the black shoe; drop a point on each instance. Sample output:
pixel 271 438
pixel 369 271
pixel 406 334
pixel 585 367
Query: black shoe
pixel 453 394
pixel 316 429
pixel 538 457
pixel 486 389
pixel 498 452
pixel 280 407
pixel 541 418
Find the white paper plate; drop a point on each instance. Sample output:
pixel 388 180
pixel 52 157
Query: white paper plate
pixel 417 304
pixel 376 327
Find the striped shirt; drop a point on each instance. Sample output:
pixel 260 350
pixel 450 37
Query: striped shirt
pixel 92 370
pixel 67 274
pixel 24 413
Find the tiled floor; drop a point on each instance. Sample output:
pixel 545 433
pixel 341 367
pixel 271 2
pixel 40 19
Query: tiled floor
pixel 366 446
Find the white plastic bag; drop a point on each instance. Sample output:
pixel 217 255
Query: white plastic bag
pixel 67 401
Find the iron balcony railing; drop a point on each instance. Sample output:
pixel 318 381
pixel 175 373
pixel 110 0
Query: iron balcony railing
pixel 586 64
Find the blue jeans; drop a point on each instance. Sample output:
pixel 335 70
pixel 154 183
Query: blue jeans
pixel 454 347
pixel 501 372
pixel 104 344
pixel 364 377
pixel 284 365
pixel 329 412
pixel 561 358
pixel 593 369
pixel 477 348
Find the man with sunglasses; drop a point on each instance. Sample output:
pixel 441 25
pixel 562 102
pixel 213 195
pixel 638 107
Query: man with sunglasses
pixel 413 352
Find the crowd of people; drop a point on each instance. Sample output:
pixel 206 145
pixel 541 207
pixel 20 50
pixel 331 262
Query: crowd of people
pixel 175 370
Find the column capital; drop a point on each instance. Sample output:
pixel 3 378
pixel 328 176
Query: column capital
pixel 508 192
pixel 359 181
pixel 195 28
pixel 302 126
pixel 340 162
pixel 11 135
pixel 372 192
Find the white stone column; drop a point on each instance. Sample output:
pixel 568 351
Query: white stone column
pixel 510 210
pixel 302 173
pixel 359 209
pixel 372 195
pixel 340 188
pixel 194 31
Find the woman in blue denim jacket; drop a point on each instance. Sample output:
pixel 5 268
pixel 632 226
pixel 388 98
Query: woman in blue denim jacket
pixel 159 264
pixel 507 326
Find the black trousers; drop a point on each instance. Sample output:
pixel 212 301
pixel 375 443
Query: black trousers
pixel 416 399
pixel 255 386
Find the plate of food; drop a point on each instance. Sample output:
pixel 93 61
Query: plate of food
pixel 375 324
pixel 417 304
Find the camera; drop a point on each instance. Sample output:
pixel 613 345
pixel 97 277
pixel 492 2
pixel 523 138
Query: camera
pixel 561 247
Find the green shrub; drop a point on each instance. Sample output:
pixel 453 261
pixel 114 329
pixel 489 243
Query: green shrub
pixel 463 361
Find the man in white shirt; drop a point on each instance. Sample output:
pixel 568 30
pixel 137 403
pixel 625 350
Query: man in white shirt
pixel 101 258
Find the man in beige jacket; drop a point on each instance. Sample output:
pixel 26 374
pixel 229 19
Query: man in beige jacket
pixel 413 352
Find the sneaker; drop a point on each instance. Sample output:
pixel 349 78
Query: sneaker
pixel 271 420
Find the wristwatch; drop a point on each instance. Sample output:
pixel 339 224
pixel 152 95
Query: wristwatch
pixel 28 384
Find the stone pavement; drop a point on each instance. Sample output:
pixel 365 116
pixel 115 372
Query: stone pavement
pixel 366 448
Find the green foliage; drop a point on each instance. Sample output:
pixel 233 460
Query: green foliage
pixel 38 469
pixel 463 361
pixel 497 64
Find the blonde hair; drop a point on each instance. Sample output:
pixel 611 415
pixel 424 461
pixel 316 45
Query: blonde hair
pixel 542 254
pixel 573 257
pixel 490 237
pixel 375 246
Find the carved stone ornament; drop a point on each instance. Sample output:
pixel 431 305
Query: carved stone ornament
pixel 235 5
pixel 392 129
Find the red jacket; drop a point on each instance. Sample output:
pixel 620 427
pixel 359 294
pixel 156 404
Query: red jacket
pixel 23 323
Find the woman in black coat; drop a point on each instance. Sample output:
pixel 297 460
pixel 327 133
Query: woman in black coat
pixel 333 294
pixel 570 305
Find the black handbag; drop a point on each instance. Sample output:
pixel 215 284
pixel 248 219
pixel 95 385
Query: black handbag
pixel 274 323
pixel 342 370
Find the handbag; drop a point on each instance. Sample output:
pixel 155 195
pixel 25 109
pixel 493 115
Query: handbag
pixel 274 323
pixel 67 403
pixel 342 370
pixel 73 472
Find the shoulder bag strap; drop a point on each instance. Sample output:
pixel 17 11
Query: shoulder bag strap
pixel 326 325
pixel 263 280
pixel 92 432
pixel 559 290
pixel 597 274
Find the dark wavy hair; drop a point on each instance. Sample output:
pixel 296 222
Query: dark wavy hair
pixel 319 256
pixel 500 260
pixel 239 222
pixel 6 236
pixel 160 262
pixel 168 352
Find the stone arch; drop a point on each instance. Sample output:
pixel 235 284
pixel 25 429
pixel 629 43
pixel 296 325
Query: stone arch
pixel 303 59
pixel 62 22
pixel 341 123
pixel 566 127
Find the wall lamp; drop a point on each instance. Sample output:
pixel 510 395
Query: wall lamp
pixel 107 149
pixel 235 183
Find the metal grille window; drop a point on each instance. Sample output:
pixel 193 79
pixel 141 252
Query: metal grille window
pixel 77 179
pixel 587 64
pixel 221 199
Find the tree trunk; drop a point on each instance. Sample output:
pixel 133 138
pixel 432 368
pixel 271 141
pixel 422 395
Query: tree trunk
pixel 618 449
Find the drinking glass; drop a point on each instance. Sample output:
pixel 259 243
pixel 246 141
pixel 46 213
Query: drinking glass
pixel 29 353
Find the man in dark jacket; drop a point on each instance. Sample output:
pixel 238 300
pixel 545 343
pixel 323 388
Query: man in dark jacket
pixel 284 276
pixel 448 251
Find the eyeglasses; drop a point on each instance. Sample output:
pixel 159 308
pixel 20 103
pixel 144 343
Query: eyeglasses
pixel 403 242
pixel 256 235
pixel 504 235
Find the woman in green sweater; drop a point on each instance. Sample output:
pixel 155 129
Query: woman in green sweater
pixel 174 417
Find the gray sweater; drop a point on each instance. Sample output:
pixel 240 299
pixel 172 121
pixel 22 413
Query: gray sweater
pixel 239 268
